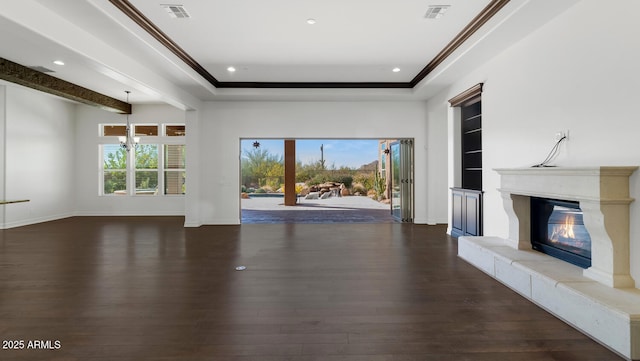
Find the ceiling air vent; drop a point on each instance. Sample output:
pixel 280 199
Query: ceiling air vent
pixel 41 69
pixel 176 11
pixel 436 11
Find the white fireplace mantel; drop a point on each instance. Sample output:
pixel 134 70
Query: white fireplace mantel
pixel 601 301
pixel 603 194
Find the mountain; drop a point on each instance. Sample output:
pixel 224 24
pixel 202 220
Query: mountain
pixel 369 167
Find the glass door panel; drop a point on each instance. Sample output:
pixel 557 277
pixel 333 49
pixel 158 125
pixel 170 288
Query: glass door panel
pixel 402 180
pixel 396 211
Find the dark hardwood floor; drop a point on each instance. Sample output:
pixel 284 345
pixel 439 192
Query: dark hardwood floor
pixel 145 288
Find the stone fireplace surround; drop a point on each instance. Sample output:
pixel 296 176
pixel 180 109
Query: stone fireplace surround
pixel 601 301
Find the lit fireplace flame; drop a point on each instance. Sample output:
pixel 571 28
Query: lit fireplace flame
pixel 563 231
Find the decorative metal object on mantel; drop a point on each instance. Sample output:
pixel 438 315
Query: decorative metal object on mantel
pixel 129 140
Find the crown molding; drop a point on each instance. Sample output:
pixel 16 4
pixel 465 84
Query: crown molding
pixel 467 95
pixel 147 25
pixel 485 15
pixel 476 23
pixel 313 85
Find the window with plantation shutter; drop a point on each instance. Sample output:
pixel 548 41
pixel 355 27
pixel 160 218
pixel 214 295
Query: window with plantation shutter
pixel 157 169
pixel 174 169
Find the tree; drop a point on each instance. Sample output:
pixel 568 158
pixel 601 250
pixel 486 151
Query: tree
pixel 306 172
pixel 147 156
pixel 116 159
pixel 115 169
pixel 146 166
pixel 261 167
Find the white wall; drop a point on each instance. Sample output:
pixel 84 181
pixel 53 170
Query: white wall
pixel 3 140
pixel 39 141
pixel 577 73
pixel 437 174
pixel 89 200
pixel 223 124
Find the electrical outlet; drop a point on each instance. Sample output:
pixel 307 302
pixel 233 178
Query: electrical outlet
pixel 560 134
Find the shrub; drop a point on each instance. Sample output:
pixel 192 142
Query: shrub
pixel 318 179
pixel 261 190
pixel 346 179
pixel 364 179
pixel 358 187
pixel 272 183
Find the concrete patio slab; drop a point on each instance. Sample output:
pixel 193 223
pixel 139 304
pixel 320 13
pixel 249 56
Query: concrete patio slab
pixel 351 209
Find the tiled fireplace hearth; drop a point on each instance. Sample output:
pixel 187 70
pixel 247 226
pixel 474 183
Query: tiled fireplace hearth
pixel 600 300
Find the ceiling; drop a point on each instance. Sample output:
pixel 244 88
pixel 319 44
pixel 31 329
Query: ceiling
pixel 351 41
pixel 110 46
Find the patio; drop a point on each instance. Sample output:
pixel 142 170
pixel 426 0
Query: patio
pixel 351 209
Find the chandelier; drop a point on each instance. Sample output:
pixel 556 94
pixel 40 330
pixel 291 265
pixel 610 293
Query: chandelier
pixel 129 140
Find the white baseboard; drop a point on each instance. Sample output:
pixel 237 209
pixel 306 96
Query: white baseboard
pixel 30 221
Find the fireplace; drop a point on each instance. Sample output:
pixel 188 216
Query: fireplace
pixel 601 300
pixel 557 229
pixel 603 197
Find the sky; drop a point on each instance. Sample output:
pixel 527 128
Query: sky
pixel 351 153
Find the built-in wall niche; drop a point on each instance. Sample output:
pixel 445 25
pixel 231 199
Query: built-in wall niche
pixel 471 142
pixel 466 197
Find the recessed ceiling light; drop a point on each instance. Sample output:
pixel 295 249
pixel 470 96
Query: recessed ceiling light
pixel 311 21
pixel 436 11
pixel 58 62
pixel 395 70
pixel 231 69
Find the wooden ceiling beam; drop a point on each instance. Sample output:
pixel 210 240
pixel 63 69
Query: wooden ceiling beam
pixel 20 74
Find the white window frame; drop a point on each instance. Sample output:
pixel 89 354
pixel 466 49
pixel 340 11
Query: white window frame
pixel 160 141
pixel 172 170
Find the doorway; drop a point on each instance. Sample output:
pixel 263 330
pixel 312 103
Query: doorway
pixel 331 186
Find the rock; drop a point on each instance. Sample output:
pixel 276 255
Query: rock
pixel 312 195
